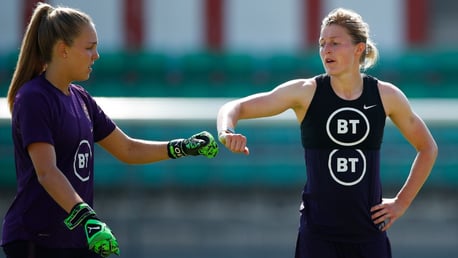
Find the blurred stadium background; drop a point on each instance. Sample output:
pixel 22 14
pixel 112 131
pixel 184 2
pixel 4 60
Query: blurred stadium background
pixel 167 65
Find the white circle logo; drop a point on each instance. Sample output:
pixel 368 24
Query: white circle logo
pixel 347 126
pixel 347 167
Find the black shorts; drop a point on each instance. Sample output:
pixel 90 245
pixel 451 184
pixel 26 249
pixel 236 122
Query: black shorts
pixel 311 247
pixel 28 249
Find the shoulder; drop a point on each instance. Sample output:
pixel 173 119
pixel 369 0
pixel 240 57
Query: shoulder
pixel 298 85
pixel 296 94
pixel 34 92
pixel 389 90
pixel 34 86
pixel 392 97
pixel 35 99
pixel 296 90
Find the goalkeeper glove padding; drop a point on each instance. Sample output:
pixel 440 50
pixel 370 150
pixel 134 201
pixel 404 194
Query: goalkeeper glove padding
pixel 99 237
pixel 201 143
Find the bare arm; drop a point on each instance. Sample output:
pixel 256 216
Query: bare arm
pixel 50 177
pixel 418 135
pixel 295 95
pixel 134 151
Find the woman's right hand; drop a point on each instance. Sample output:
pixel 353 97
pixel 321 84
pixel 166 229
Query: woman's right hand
pixel 234 142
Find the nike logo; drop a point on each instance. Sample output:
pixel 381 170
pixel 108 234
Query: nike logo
pixel 368 107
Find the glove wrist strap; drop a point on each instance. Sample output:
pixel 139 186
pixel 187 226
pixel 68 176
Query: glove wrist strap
pixel 174 149
pixel 80 213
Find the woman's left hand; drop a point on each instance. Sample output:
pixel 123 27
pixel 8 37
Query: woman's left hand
pixel 387 212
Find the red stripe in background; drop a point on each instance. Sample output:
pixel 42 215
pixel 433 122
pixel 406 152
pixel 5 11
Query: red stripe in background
pixel 133 24
pixel 27 10
pixel 417 21
pixel 214 22
pixel 311 22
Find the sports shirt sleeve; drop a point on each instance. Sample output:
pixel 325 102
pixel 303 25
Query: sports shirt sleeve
pixel 33 119
pixel 102 124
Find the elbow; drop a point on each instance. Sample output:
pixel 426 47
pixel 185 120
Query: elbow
pixel 129 162
pixel 432 151
pixel 125 159
pixel 44 176
pixel 435 150
pixel 130 157
pixel 125 153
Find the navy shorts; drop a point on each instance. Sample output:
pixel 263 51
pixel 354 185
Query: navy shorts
pixel 311 247
pixel 26 249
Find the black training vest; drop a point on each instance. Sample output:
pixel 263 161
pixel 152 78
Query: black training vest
pixel 341 140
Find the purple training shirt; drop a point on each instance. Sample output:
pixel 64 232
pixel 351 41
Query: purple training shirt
pixel 42 113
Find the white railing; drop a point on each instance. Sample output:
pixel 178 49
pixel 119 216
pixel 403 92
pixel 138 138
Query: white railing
pixel 431 110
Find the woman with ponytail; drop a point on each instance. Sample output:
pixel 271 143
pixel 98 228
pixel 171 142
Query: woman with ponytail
pixel 55 124
pixel 341 114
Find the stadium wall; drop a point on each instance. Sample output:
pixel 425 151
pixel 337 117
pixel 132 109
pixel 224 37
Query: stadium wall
pixel 231 25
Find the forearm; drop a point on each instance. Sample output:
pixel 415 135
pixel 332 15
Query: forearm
pixel 421 168
pixel 137 151
pixel 227 117
pixel 59 188
pixel 144 152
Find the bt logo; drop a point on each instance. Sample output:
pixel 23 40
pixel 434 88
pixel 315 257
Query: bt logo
pixel 83 156
pixel 347 167
pixel 347 127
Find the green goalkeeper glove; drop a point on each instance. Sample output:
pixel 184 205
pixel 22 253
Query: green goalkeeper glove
pixel 202 143
pixel 99 236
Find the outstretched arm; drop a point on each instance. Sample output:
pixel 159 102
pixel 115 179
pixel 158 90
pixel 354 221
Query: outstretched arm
pixel 134 151
pixel 138 151
pixel 295 95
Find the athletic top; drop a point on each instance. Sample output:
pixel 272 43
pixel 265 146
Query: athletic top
pixel 341 140
pixel 71 123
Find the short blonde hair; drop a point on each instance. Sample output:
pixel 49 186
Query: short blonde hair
pixel 358 30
